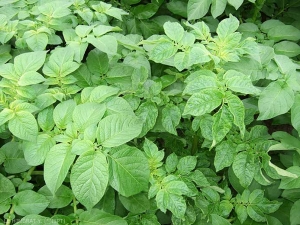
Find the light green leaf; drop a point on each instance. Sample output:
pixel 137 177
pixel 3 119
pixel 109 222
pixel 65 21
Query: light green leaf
pixel 105 43
pixel 118 105
pixel 203 102
pixel 37 220
pixel 128 170
pixel 45 119
pixel 29 202
pixel 285 64
pixel 295 113
pixel 62 114
pixel 24 126
pixel 225 153
pixel 216 219
pixel 243 168
pixel 235 3
pixel 181 60
pixel 239 82
pixel 37 42
pixel 31 77
pixel 186 164
pixel 162 51
pixel 171 116
pixel 57 164
pixel 102 92
pixel 35 152
pixel 5 115
pixel 276 99
pixel 14 158
pixel 83 30
pixel 196 9
pixel 222 124
pixel 227 26
pixel 288 48
pixel 199 55
pixel 218 7
pixel 138 203
pixel 89 178
pixel 7 188
pixel 117 129
pixel 61 199
pixel 174 31
pixel 87 114
pixel 31 61
pixel 96 216
pixel 284 32
pixel 171 163
pixel 237 109
pixel 199 83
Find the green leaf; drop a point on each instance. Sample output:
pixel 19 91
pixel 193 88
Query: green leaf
pixel 62 114
pixel 29 202
pixel 97 62
pixel 203 102
pixel 45 119
pixel 37 42
pixel 237 109
pixel 196 9
pixel 117 129
pixel 288 48
pixel 222 124
pixel 96 216
pixel 61 199
pixel 128 170
pixel 173 202
pixel 7 188
pixel 291 182
pixel 24 126
pixel 101 92
pixel 218 7
pixel 276 99
pixel 138 203
pixel 29 78
pixel 255 213
pixel 171 163
pixel 35 152
pixel 294 214
pixel 57 164
pixel 186 164
pixel 36 220
pixel 105 43
pixel 227 26
pixel 243 168
pixel 147 112
pixel 284 32
pixel 171 116
pixel 235 3
pixel 31 61
pixel 89 178
pixel 295 113
pixel 216 219
pixel 241 212
pixel 87 114
pixel 174 31
pixel 225 154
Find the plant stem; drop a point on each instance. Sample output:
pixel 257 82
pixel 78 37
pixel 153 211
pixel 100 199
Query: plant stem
pixel 195 144
pixel 258 6
pixel 75 209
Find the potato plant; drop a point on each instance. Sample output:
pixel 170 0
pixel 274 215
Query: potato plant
pixel 183 112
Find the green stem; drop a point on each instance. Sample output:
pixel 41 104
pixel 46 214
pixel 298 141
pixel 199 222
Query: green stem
pixel 195 145
pixel 38 173
pixel 12 209
pixel 75 209
pixel 258 7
